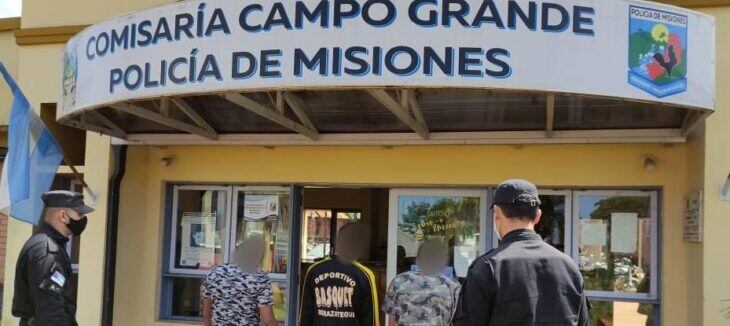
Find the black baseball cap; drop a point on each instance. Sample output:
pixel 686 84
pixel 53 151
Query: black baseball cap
pixel 66 199
pixel 517 191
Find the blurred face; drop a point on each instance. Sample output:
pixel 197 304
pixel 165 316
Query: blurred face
pixel 250 253
pixel 352 242
pixel 432 257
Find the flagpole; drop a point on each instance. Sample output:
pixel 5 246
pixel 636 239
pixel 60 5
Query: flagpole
pixel 72 166
pixel 77 175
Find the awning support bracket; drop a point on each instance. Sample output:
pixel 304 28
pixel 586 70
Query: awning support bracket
pixel 108 123
pixel 165 106
pixel 297 106
pixel 271 114
pixel 92 127
pixel 550 124
pixel 163 120
pixel 399 111
pixel 192 114
pixel 691 120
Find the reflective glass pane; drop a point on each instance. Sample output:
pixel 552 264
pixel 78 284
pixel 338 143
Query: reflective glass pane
pixel 201 230
pixel 615 242
pixel 608 313
pixel 265 213
pixel 280 300
pixel 316 226
pixel 186 300
pixel 552 223
pixel 453 219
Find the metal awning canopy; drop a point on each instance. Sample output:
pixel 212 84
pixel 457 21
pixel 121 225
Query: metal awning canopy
pixel 387 117
pixel 307 72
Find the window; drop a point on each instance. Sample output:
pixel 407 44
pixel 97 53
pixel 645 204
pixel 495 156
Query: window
pixel 200 221
pixel 613 238
pixel 206 225
pixel 317 234
pixel 623 313
pixel 456 217
pixel 320 231
pixel 199 233
pixel 616 241
pixel 273 224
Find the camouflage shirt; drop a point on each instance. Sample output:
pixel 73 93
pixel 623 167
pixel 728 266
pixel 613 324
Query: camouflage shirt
pixel 415 299
pixel 236 295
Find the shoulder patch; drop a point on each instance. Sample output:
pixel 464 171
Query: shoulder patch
pixel 52 245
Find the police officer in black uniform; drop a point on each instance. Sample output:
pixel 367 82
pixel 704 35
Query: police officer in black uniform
pixel 43 289
pixel 524 281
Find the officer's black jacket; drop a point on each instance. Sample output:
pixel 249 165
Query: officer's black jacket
pixel 41 299
pixel 524 281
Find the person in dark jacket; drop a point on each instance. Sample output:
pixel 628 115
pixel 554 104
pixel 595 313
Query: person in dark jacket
pixel 524 281
pixel 339 291
pixel 43 289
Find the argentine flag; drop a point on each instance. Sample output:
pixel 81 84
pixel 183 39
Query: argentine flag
pixel 32 160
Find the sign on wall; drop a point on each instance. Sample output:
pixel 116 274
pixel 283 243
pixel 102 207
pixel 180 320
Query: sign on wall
pixel 626 49
pixel 693 217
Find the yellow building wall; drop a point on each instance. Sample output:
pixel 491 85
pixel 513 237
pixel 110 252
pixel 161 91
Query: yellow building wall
pixel 44 13
pixel 716 265
pixel 142 198
pixel 9 57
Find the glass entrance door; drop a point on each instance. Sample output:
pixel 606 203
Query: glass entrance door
pixel 554 225
pixel 457 217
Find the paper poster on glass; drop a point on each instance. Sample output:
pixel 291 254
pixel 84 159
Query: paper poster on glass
pixel 624 232
pixel 453 219
pixel 261 207
pixel 593 233
pixel 198 239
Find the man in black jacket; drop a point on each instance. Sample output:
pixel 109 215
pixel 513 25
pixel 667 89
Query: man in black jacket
pixel 339 291
pixel 43 289
pixel 524 281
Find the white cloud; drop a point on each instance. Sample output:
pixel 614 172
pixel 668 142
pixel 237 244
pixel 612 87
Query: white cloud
pixel 10 8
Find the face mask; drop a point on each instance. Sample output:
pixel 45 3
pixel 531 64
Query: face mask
pixel 77 226
pixel 496 229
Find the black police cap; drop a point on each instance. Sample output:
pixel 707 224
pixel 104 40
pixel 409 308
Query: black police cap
pixel 66 199
pixel 517 191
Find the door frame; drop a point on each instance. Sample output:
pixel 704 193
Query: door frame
pixel 568 218
pixel 654 262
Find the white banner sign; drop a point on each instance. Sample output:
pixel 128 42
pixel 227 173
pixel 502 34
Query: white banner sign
pixel 626 49
pixel 261 207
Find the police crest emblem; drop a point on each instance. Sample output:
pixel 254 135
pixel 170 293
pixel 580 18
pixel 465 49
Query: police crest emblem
pixel 657 51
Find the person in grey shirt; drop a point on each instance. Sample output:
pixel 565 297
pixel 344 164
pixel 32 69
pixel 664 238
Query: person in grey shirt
pixel 524 281
pixel 425 297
